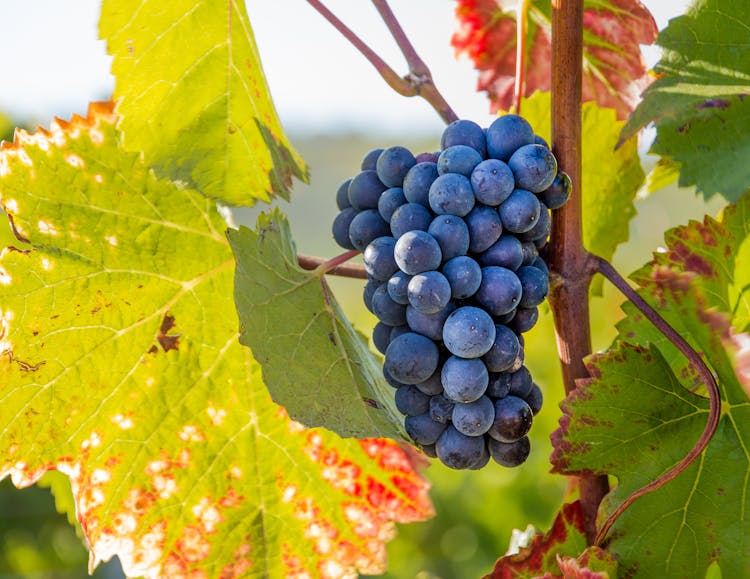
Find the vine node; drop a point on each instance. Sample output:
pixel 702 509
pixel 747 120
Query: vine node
pixel 602 266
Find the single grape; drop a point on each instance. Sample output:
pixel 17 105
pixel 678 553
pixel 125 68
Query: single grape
pixel 390 200
pixel 506 134
pixel 426 158
pixel 484 228
pixel 429 449
pixel 441 408
pixel 469 332
pixel 390 379
pixel 525 319
pixel 513 419
pixel 464 379
pixel 411 358
pixel 341 224
pixel 432 386
pixel 417 251
pixel 534 167
pixel 534 399
pixel 393 164
pixel 464 132
pixel 398 287
pixel 459 159
pixel 379 262
pixel 529 252
pixel 430 325
pixel 483 460
pixel 521 382
pixel 499 385
pixel 542 227
pixel 504 349
pixel 458 451
pixel 539 263
pixel 370 287
pixel 429 292
pixel 506 252
pixel 411 402
pixel 464 276
pixel 540 141
pixel 558 192
pixel 410 217
pixel 509 454
pixel 423 429
pixel 369 162
pixel 520 211
pixel 500 290
pixel 342 195
pixel 451 233
pixel 381 336
pixel 396 331
pixel 474 418
pixel 385 309
pixel 452 194
pixel 364 190
pixel 492 182
pixel 366 226
pixel 535 284
pixel 418 181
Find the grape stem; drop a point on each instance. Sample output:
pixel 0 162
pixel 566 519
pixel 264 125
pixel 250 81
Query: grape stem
pixel 602 266
pixel 418 82
pixel 522 20
pixel 334 266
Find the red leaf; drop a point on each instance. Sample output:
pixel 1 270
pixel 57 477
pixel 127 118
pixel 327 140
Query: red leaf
pixel 614 73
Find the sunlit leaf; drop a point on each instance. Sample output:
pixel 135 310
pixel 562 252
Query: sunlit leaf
pixel 193 97
pixel 121 368
pixel 614 73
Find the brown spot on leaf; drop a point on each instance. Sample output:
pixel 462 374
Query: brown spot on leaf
pixel 372 403
pixel 713 104
pixel 167 341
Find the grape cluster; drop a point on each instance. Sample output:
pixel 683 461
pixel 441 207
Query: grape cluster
pixel 451 246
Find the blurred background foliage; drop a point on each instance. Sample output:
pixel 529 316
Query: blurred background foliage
pixel 476 511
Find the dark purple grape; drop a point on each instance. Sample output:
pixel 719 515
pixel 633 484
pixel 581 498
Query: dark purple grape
pixel 340 228
pixel 369 161
pixel 484 228
pixel 520 211
pixel 529 252
pixel 366 226
pixel 513 419
pixel 432 385
pixel 430 325
pixel 451 194
pixel 464 276
pixel 506 134
pixel 525 319
pixel 459 159
pixel 541 228
pixel 390 200
pixel 474 418
pixel 521 382
pixel 458 451
pixel 393 164
pixel 417 251
pixel 483 460
pixel 535 284
pixel 381 336
pixel 426 158
pixel 464 379
pixel 411 402
pixel 469 332
pixel 429 292
pixel 441 408
pixel 411 358
pixel 410 217
pixel 500 290
pixel 492 182
pixel 379 262
pixel 364 190
pixel 540 141
pixel 504 350
pixel 396 331
pixel 398 287
pixel 541 264
pixel 464 132
pixel 534 399
pixel 385 309
pixel 506 252
pixel 429 449
pixel 558 193
pixel 423 429
pixel 452 234
pixel 368 292
pixel 390 379
pixel 418 181
pixel 499 385
pixel 509 454
pixel 534 167
pixel 342 195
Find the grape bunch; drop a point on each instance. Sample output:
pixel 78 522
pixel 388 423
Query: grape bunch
pixel 451 246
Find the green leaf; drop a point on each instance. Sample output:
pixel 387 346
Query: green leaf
pixel 314 363
pixel 122 369
pixel 699 101
pixel 193 97
pixel 611 177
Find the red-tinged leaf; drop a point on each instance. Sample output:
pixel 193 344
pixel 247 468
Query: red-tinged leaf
pixel 565 538
pixel 593 563
pixel 614 72
pixel 121 368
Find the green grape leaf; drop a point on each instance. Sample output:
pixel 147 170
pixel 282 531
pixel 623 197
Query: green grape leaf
pixel 193 97
pixel 611 178
pixel 122 369
pixel 699 100
pixel 314 363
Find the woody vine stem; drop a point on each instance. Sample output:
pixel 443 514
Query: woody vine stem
pixel 571 266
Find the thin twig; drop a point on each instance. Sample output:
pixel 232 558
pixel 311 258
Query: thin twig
pixel 603 267
pixel 334 266
pixel 419 80
pixel 522 20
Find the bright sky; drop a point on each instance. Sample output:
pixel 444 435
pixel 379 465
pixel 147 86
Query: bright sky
pixel 53 64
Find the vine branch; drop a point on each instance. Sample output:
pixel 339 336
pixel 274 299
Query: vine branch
pixel 522 20
pixel 602 266
pixel 418 82
pixel 334 266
